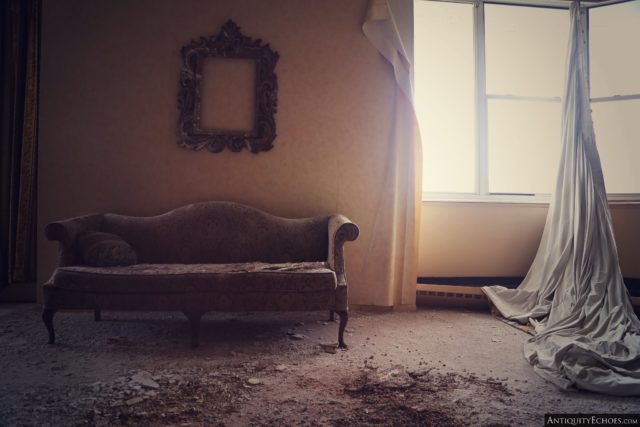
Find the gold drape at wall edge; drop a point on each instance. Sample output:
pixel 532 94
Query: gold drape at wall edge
pixel 390 264
pixel 24 269
pixel 20 74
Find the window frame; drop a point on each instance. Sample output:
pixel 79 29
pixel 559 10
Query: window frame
pixel 481 98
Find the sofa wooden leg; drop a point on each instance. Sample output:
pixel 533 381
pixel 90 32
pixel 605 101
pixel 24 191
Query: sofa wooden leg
pixel 332 315
pixel 97 315
pixel 47 318
pixel 194 319
pixel 344 318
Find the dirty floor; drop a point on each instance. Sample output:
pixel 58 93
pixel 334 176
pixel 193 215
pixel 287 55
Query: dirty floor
pixel 431 367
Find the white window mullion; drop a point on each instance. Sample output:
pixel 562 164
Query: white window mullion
pixel 616 98
pixel 482 155
pixel 556 99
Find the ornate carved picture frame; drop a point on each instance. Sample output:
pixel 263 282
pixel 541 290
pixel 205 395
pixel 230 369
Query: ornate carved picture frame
pixel 229 43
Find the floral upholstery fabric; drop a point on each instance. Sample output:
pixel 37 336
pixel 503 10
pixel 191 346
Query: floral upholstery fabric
pixel 179 278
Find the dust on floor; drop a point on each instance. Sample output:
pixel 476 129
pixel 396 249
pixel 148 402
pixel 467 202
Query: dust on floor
pixel 432 367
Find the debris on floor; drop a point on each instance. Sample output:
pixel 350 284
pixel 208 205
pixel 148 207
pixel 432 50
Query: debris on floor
pixel 430 367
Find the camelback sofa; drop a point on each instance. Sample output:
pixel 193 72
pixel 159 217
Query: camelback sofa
pixel 211 256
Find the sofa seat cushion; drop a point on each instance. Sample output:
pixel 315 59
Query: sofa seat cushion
pixel 179 278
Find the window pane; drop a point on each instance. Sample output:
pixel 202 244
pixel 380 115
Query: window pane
pixel 524 146
pixel 444 94
pixel 618 140
pixel 525 50
pixel 614 53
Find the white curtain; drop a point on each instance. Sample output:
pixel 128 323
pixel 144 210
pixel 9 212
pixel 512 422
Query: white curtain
pixel 393 252
pixel 587 335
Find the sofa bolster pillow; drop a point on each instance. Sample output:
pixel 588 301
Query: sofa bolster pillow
pixel 100 249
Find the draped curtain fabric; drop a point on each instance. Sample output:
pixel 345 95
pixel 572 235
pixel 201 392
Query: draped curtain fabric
pixel 19 46
pixel 393 253
pixel 587 335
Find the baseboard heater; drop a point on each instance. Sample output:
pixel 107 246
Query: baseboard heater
pixel 466 292
pixel 450 296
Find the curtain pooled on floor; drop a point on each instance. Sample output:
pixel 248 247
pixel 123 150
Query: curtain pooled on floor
pixel 587 335
pixel 393 253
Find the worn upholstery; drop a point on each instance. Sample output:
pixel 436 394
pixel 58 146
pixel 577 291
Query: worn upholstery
pixel 206 256
pixel 176 278
pixel 105 249
pixel 217 232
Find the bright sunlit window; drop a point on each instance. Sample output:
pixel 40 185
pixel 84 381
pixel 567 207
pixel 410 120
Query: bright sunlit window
pixel 489 82
pixel 614 34
pixel 444 94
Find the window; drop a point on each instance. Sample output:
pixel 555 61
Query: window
pixel 444 95
pixel 614 32
pixel 488 98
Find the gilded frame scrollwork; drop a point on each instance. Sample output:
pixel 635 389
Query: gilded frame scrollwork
pixel 228 43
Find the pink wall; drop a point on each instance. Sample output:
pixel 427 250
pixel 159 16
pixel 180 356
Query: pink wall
pixel 501 239
pixel 110 73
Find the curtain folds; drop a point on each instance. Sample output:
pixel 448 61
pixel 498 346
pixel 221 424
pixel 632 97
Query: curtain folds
pixel 18 131
pixel 393 253
pixel 587 335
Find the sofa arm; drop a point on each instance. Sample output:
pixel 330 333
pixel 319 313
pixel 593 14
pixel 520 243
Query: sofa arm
pixel 66 232
pixel 340 231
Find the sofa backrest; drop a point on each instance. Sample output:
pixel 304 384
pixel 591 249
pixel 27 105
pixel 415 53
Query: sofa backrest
pixel 221 232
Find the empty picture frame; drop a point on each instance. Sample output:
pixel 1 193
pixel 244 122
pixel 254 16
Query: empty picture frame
pixel 237 109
